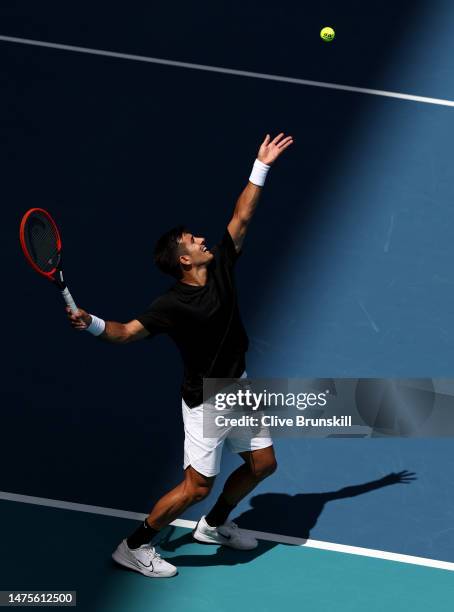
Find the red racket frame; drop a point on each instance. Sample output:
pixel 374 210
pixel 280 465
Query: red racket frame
pixel 48 275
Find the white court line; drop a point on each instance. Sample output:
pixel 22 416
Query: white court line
pixel 261 535
pixel 233 72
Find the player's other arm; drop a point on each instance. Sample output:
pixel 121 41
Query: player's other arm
pixel 247 202
pixel 114 332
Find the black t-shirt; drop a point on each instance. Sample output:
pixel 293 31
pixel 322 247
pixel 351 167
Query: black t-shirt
pixel 197 319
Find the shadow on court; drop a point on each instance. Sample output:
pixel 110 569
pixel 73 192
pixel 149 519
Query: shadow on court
pixel 290 515
pixel 296 515
pixel 222 555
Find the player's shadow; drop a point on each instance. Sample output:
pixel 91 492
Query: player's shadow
pixel 278 513
pixel 296 515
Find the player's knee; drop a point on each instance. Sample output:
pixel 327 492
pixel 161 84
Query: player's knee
pixel 195 492
pixel 265 469
pixel 196 486
pixel 198 493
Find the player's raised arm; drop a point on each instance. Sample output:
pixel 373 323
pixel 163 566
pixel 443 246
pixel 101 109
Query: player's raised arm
pixel 111 331
pixel 246 204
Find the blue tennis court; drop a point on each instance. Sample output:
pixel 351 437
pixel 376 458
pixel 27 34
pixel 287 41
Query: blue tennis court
pixel 126 122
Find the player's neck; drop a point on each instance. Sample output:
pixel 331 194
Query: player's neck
pixel 197 277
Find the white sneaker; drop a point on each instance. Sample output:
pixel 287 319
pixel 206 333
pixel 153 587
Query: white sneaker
pixel 227 534
pixel 144 559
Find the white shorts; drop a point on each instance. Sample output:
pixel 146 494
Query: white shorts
pixel 204 454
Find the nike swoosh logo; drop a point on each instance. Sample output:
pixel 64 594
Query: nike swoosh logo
pixel 149 565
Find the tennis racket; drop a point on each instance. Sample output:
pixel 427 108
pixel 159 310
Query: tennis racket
pixel 41 244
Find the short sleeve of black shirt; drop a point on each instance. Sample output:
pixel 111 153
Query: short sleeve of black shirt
pixel 156 319
pixel 227 249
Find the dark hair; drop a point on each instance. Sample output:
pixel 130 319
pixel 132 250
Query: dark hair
pixel 166 253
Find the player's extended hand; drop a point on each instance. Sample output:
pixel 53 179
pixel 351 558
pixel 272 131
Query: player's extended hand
pixel 271 149
pixel 80 320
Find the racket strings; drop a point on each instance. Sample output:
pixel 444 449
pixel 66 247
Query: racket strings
pixel 42 242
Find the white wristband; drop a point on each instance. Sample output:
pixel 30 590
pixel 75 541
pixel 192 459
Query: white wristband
pixel 259 172
pixel 97 325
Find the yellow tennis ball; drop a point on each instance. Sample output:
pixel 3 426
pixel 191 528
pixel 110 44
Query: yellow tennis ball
pixel 327 34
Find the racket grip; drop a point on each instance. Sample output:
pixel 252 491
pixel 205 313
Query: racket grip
pixel 69 300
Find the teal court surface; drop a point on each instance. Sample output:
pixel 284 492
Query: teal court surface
pixel 271 577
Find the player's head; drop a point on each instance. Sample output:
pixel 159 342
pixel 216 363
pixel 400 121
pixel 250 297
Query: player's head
pixel 178 250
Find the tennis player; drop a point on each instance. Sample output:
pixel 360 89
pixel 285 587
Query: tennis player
pixel 200 313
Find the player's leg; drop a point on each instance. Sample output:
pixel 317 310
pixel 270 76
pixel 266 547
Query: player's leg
pixel 136 552
pixel 214 528
pixel 202 458
pixel 191 490
pixel 258 465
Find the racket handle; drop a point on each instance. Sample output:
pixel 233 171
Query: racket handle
pixel 69 300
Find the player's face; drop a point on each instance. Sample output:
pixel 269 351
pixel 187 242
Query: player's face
pixel 195 250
